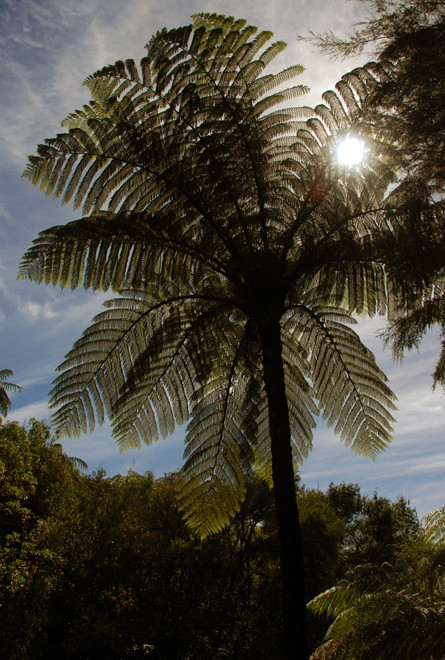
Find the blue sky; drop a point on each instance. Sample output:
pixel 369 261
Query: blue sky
pixel 47 49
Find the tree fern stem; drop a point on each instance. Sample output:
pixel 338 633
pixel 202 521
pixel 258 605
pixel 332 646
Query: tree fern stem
pixel 291 552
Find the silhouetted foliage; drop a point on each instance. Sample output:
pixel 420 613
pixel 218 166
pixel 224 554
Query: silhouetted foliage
pixel 5 387
pixel 387 609
pixel 95 566
pixel 408 108
pixel 411 100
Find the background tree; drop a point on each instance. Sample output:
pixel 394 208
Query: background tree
pixel 320 521
pixel 94 566
pixel 376 529
pixel 6 387
pixel 37 489
pixel 241 251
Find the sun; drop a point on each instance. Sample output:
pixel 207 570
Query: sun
pixel 350 151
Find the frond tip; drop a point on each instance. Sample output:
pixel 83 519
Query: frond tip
pixel 5 387
pixel 435 526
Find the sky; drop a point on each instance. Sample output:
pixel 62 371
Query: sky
pixel 47 49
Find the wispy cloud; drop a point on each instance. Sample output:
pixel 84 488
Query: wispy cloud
pixel 38 410
pixel 66 306
pixel 22 126
pixel 70 40
pixel 4 212
pixel 100 449
pixel 50 80
pixel 35 312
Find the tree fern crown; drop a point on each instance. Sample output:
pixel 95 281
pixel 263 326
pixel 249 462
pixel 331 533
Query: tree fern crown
pixel 214 208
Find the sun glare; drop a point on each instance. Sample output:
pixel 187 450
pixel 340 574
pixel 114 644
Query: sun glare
pixel 350 151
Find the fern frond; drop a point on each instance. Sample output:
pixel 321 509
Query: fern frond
pixel 6 386
pixel 106 372
pixel 381 611
pixel 351 389
pixel 105 251
pixel 220 442
pixel 165 372
pixel 435 526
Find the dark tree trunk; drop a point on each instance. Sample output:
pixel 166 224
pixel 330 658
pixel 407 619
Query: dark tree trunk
pixel 292 569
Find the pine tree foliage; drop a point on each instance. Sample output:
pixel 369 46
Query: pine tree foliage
pixel 212 205
pixel 5 387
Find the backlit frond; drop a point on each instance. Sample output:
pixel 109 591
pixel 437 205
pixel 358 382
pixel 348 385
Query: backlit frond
pixel 221 441
pixel 351 389
pixel 435 525
pixel 133 364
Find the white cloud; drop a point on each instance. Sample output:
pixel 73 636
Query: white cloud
pixel 84 310
pixel 22 126
pixel 71 308
pixel 35 312
pixel 38 410
pixel 36 375
pixel 4 212
pixel 110 32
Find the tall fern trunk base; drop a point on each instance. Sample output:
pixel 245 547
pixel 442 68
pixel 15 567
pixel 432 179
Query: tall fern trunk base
pixel 291 553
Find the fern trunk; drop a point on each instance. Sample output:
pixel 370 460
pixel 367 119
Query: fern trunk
pixel 291 552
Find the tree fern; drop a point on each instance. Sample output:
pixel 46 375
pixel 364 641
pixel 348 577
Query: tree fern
pixel 385 611
pixel 240 252
pixel 435 526
pixel 5 387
